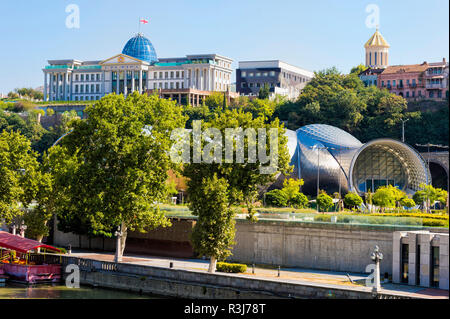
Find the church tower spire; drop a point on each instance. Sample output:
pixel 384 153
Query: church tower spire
pixel 377 51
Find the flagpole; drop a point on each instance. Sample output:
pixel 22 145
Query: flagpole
pixel 139 27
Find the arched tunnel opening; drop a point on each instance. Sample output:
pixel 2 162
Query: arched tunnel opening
pixel 439 176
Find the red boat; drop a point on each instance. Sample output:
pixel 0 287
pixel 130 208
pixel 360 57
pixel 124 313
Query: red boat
pixel 15 263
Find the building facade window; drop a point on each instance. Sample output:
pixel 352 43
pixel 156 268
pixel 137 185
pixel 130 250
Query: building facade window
pixel 404 263
pixel 434 280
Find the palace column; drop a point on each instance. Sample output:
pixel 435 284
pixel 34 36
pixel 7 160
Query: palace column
pixel 57 87
pixel 45 86
pixel 125 82
pixel 117 82
pixel 140 81
pixel 132 81
pixel 50 84
pixel 103 83
pixel 64 86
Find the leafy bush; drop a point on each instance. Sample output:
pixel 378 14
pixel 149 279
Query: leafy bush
pixel 324 201
pixel 434 222
pixel 231 268
pixel 352 199
pixel 322 218
pixel 300 200
pixel 276 198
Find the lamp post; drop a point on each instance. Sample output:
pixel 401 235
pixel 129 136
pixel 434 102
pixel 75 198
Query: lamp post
pixel 118 255
pixel 23 228
pixel 376 256
pixel 14 227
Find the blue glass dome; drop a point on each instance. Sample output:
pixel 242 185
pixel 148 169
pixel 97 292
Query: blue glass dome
pixel 141 48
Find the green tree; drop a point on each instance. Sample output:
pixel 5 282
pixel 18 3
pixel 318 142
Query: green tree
pixel 276 198
pixel 264 92
pixel 119 157
pixel 427 195
pixel 384 197
pixel 291 187
pixel 213 233
pixel 352 199
pixel 407 202
pixel 324 201
pixel 300 201
pixel 358 69
pixel 19 175
pixel 244 177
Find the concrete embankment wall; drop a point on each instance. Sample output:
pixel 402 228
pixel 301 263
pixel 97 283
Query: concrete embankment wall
pixel 195 284
pixel 326 246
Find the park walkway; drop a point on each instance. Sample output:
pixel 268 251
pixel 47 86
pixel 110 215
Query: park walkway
pixel 291 275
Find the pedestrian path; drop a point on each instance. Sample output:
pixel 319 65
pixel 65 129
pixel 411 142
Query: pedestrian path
pixel 292 275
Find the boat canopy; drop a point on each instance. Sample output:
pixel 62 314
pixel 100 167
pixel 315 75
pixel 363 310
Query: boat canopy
pixel 20 244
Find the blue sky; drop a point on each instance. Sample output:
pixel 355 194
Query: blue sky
pixel 313 34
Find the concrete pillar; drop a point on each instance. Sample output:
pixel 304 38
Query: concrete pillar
pixel 179 98
pixel 45 86
pixel 396 256
pixel 140 81
pixel 198 99
pixel 132 81
pixel 412 245
pixel 424 240
pixel 443 261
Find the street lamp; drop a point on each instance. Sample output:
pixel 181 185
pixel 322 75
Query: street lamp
pixel 118 234
pixel 376 256
pixel 23 228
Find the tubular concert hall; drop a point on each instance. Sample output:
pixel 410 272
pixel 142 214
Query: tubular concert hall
pixel 340 162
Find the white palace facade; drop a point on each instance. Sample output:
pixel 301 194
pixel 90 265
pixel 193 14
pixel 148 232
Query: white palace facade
pixel 188 79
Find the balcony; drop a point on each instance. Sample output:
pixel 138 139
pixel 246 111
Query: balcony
pixel 400 86
pixel 435 86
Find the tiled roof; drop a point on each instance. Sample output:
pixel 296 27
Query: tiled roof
pixel 406 68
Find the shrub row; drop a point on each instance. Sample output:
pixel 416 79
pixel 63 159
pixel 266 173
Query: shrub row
pixel 231 268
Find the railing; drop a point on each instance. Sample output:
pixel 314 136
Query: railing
pixel 434 86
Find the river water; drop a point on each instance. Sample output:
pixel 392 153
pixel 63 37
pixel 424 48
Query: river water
pixel 18 291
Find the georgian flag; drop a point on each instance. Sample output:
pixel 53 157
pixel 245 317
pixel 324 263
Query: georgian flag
pixel 143 21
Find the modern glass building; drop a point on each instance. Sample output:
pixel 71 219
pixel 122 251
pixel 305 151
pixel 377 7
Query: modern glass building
pixel 330 159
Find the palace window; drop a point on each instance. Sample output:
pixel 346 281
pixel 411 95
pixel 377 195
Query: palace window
pixel 77 77
pixel 265 74
pixel 81 88
pixel 258 74
pixel 177 74
pixel 166 75
pixel 92 77
pixel 98 77
pixel 82 77
pixel 97 88
pixel 166 85
pixel 76 88
pixel 171 75
pixel 272 73
pixel 243 74
pixel 251 74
